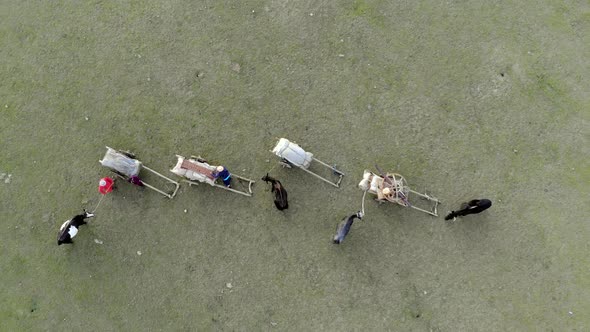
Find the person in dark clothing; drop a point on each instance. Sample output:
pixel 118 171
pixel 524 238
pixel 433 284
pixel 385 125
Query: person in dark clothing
pixel 224 174
pixel 471 207
pixel 135 180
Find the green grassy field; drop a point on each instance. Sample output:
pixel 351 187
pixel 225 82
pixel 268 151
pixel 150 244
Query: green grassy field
pixel 466 99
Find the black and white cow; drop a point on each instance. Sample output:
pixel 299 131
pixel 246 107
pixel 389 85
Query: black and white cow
pixel 344 227
pixel 279 192
pixel 471 207
pixel 69 229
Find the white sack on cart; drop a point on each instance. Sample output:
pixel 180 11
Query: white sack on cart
pixel 121 163
pixel 293 153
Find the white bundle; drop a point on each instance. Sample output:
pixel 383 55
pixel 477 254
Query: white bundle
pixel 178 170
pixel 375 183
pixel 121 163
pixel 364 184
pixel 293 153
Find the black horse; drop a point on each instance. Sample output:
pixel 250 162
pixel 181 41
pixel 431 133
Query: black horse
pixel 471 207
pixel 344 227
pixel 69 229
pixel 279 192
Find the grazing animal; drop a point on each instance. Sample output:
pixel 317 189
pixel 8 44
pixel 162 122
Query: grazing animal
pixel 279 192
pixel 69 229
pixel 471 207
pixel 344 227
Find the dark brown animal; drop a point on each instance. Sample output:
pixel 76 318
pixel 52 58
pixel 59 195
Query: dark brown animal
pixel 280 194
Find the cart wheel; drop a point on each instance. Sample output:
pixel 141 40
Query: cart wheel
pixel 128 154
pixel 335 171
pixel 119 174
pixel 284 164
pixel 199 159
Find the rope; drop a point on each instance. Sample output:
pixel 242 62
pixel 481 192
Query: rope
pixel 98 204
pixel 100 201
pixel 363 203
pixel 268 172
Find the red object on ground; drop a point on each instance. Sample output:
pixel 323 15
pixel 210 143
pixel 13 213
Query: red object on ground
pixel 105 185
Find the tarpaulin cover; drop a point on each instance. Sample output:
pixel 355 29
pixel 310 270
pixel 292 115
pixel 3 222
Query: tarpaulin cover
pixel 121 163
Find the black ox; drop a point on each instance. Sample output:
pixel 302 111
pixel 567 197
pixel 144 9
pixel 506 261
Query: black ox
pixel 471 207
